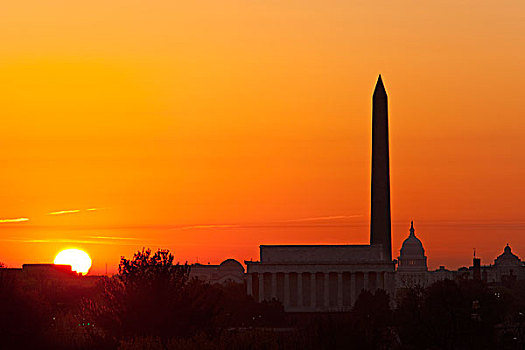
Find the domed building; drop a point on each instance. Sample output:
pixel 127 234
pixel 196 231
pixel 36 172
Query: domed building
pixel 229 270
pixel 412 262
pixel 507 267
pixel 412 267
pixel 412 255
pixel 508 259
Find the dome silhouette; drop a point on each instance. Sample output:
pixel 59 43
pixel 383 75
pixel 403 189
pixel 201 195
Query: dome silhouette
pixel 508 258
pixel 412 246
pixel 412 255
pixel 231 264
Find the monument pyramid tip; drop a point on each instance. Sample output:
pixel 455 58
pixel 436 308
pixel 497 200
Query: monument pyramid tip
pixel 379 85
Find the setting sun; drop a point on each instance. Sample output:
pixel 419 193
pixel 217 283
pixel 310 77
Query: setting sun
pixel 78 259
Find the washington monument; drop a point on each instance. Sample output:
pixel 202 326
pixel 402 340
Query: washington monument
pixel 380 226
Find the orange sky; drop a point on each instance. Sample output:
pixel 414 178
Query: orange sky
pixel 210 127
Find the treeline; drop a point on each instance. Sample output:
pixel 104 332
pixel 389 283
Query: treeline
pixel 152 304
pixel 150 298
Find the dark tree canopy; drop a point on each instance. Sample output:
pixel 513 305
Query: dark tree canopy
pixel 156 270
pixel 149 296
pixel 449 314
pixel 153 296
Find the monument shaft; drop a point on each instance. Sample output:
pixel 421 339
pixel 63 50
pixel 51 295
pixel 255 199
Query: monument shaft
pixel 380 225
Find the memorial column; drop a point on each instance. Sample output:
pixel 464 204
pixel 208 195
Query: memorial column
pixel 249 285
pixel 286 301
pixel 274 285
pixel 326 289
pixel 340 289
pixel 313 290
pixel 261 287
pixel 299 289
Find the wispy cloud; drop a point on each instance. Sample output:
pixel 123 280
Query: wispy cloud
pixel 323 218
pixel 307 222
pixel 94 209
pixel 62 212
pixel 71 241
pixel 193 227
pixel 115 238
pixel 13 220
pixel 73 211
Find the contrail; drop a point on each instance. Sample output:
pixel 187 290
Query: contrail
pixel 207 226
pixel 114 238
pixel 13 220
pixel 80 241
pixel 61 212
pixel 73 211
pixel 324 218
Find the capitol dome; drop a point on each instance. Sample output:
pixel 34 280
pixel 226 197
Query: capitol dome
pixel 412 255
pixel 412 246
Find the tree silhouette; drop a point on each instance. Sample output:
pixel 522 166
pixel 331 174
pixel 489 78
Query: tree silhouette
pixel 150 296
pixel 448 315
pixel 372 317
pixel 409 318
pixel 25 314
pixel 154 270
pixel 237 309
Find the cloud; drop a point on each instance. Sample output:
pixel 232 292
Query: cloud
pixel 115 238
pixel 61 212
pixel 206 226
pixel 268 224
pixel 324 218
pixel 73 211
pixel 13 220
pixel 71 241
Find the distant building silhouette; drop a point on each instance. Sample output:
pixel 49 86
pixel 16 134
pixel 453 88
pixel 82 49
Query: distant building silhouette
pixel 507 268
pixel 51 271
pixel 312 278
pixel 412 262
pixel 49 274
pixel 412 267
pixel 412 255
pixel 229 270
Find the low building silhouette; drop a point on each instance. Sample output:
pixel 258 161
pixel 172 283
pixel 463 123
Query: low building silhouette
pixel 48 274
pixel 412 263
pixel 412 267
pixel 229 270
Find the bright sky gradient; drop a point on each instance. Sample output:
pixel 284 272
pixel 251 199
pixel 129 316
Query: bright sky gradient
pixel 210 127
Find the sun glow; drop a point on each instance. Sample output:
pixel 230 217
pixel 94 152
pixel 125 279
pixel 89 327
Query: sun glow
pixel 78 259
